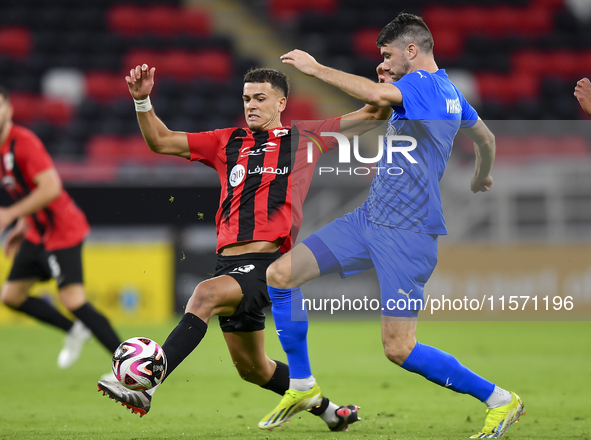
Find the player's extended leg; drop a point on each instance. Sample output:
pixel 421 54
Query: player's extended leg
pixel 90 321
pixel 404 262
pixel 217 296
pixel 401 347
pixel 247 350
pixel 284 277
pixel 336 248
pixel 15 294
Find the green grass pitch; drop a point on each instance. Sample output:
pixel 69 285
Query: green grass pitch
pixel 547 363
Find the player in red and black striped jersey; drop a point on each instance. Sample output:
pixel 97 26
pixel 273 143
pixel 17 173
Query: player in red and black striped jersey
pixel 47 239
pixel 265 174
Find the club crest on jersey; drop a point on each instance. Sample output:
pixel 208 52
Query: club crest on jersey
pixel 9 182
pixel 278 132
pixel 237 175
pixel 9 161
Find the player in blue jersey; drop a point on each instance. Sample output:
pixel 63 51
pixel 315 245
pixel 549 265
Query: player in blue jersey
pixel 396 229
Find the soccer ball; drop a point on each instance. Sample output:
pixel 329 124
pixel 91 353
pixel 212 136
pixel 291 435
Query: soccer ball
pixel 139 364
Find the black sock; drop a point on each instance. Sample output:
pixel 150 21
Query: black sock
pixel 319 410
pixel 279 384
pixel 99 326
pixel 44 311
pixel 183 340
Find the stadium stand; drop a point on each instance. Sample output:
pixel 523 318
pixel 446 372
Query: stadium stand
pixel 46 44
pixel 519 59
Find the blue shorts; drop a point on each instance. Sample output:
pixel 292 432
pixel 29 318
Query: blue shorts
pixel 403 260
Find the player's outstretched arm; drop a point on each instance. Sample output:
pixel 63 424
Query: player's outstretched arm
pixel 48 188
pixel 158 137
pixel 355 123
pixel 484 146
pixel 363 89
pixel 583 94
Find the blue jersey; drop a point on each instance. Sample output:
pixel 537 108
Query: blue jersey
pixel 406 195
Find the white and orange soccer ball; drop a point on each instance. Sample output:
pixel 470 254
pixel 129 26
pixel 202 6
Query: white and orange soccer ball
pixel 139 364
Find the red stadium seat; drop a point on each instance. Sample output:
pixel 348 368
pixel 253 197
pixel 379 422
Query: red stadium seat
pixel 182 64
pixel 492 86
pixel 492 21
pixel 162 20
pixel 104 149
pixel 106 86
pixel 547 4
pixel 213 64
pixel 194 22
pixel 176 64
pixel 440 17
pixel 364 43
pixel 501 20
pixel 87 171
pixel 574 146
pixel 530 62
pixel 536 147
pixel 126 20
pixel 534 21
pixel 15 42
pixel 287 10
pixel 55 111
pixel 562 64
pixel 299 109
pixel 24 106
pixel 448 43
pixel 584 60
pixel 137 57
pixel 469 19
pixel 523 86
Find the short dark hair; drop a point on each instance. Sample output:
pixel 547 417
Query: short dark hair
pixel 277 79
pixel 4 93
pixel 408 27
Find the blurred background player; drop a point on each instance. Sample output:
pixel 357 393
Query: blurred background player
pixel 46 241
pixel 265 176
pixel 583 94
pixel 397 228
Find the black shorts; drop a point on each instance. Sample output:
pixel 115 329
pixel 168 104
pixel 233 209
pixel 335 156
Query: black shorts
pixel 250 271
pixel 33 262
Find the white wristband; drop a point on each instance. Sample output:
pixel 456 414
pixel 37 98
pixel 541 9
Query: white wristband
pixel 142 105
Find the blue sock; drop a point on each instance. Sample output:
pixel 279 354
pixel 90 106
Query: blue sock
pixel 292 327
pixel 445 370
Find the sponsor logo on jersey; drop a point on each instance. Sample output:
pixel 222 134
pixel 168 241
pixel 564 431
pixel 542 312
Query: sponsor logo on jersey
pixel 453 105
pixel 237 175
pixel 9 182
pixel 422 76
pixel 269 170
pixel 268 147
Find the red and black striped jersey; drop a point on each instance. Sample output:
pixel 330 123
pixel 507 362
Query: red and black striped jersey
pixel 59 225
pixel 265 177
